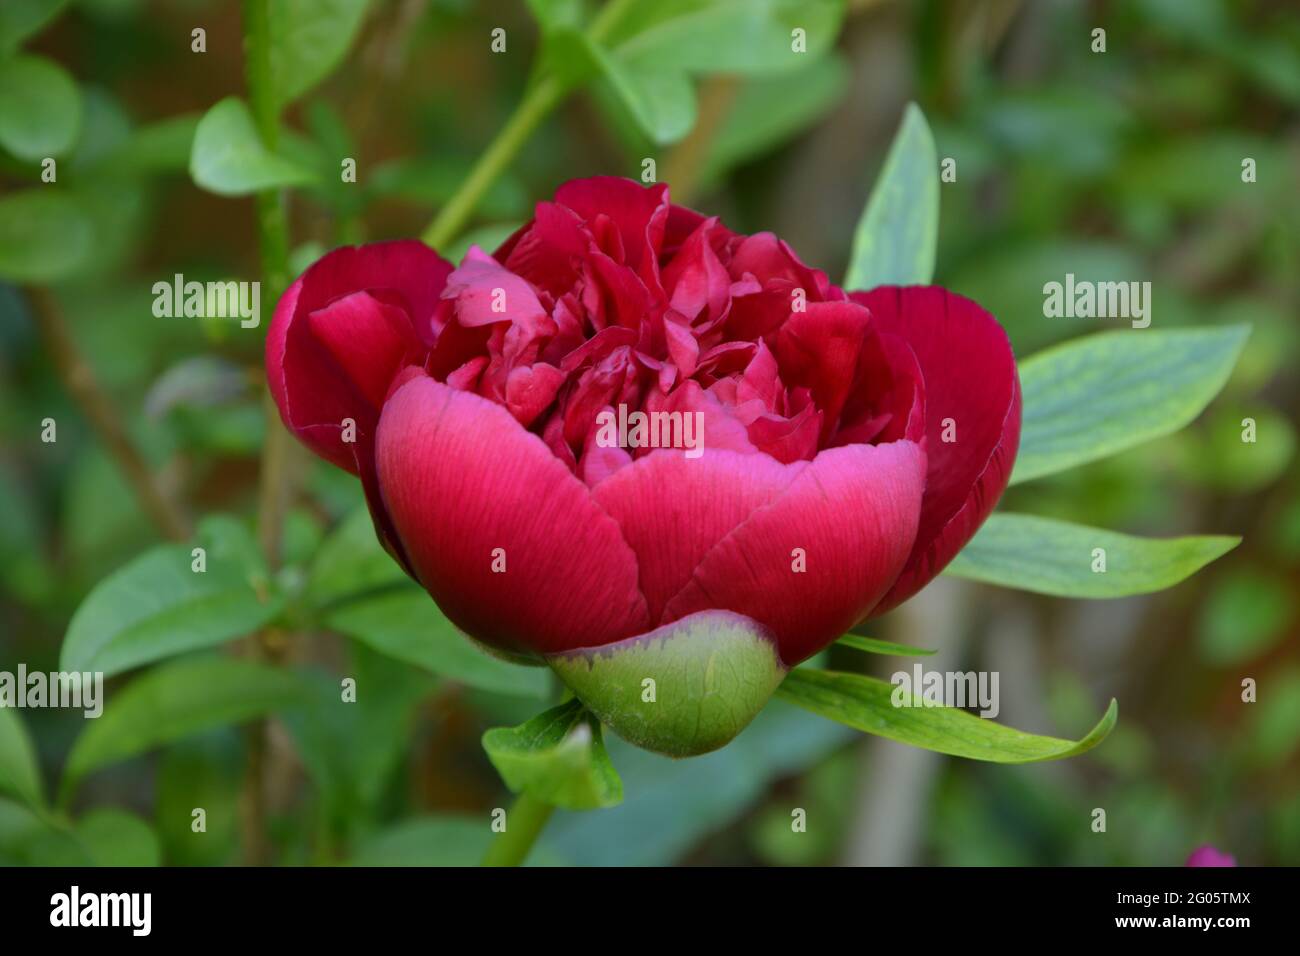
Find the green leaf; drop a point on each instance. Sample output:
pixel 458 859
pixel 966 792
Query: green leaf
pixel 20 776
pixel 309 38
pixel 20 19
pixel 161 147
pixel 117 838
pixel 40 108
pixel 895 239
pixel 1055 557
pixel 670 805
pixel 662 103
pixel 1103 393
pixel 556 14
pixel 867 704
pixel 351 562
pixel 157 606
pixel 873 646
pixel 175 700
pixel 45 235
pixel 407 625
pixel 557 757
pixel 228 157
pixel 729 36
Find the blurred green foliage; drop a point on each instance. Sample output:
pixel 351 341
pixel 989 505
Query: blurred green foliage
pixel 1122 166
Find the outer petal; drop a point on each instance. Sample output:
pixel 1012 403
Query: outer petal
pixel 312 389
pixel 674 509
pixel 853 511
pixel 460 478
pixel 970 377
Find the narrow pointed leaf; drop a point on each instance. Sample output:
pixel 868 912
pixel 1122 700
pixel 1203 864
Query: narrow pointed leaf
pixel 1056 557
pixel 873 646
pixel 867 704
pixel 1098 395
pixel 895 239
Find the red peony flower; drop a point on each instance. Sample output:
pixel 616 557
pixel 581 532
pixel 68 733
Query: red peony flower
pixel 831 451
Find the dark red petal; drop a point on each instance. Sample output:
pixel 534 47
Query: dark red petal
pixel 313 390
pixel 970 378
pixel 461 478
pixel 639 213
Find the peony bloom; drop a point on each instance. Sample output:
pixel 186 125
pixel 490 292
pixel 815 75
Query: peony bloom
pixel 845 445
pixel 1209 856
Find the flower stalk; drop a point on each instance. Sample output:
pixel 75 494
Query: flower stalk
pixel 525 821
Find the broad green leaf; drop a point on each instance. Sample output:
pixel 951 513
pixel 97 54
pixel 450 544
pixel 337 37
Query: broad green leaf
pixel 873 646
pixel 662 103
pixel 20 776
pixel 117 838
pixel 1055 557
pixel 407 625
pixel 157 606
pixel 558 757
pixel 40 108
pixel 20 19
pixel 1098 395
pixel 867 704
pixel 309 38
pixel 175 700
pixel 895 239
pixel 45 234
pixel 31 838
pixel 729 36
pixel 228 157
pixel 161 147
pixel 351 562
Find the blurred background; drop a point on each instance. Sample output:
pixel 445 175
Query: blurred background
pixel 1122 165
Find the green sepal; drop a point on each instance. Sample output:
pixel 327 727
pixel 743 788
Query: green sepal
pixel 682 689
pixel 558 757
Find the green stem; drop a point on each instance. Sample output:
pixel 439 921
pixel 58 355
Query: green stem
pixel 273 244
pixel 539 102
pixel 274 479
pixel 525 820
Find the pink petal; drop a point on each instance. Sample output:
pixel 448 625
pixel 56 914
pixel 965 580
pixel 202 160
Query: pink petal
pixel 853 511
pixel 674 509
pixel 970 377
pixel 461 478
